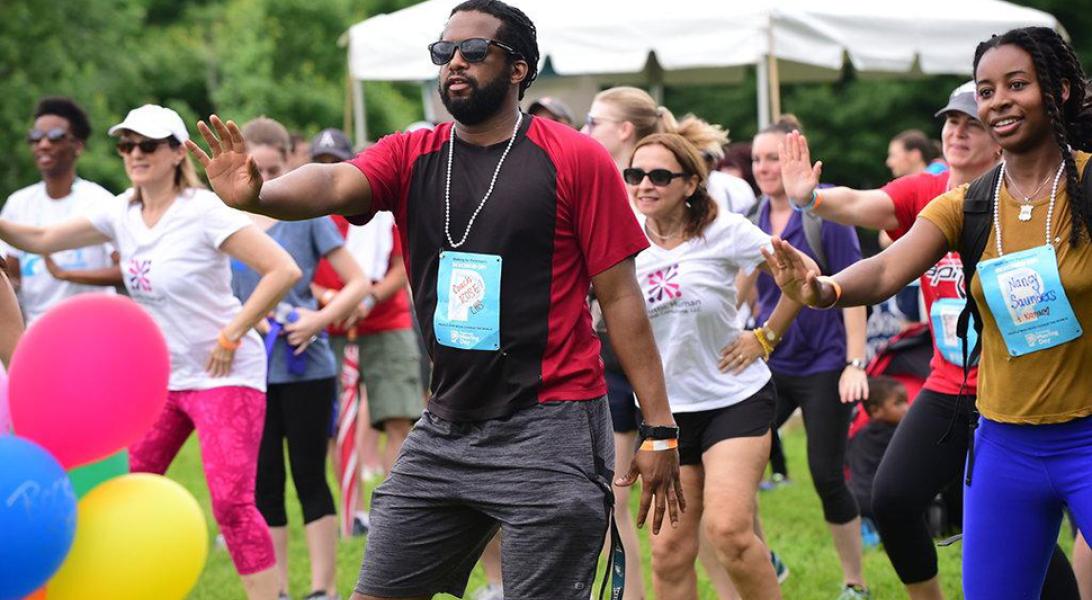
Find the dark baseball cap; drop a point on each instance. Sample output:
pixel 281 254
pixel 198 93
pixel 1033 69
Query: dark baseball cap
pixel 962 99
pixel 554 106
pixel 332 142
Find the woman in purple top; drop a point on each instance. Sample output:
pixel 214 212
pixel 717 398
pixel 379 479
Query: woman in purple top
pixel 818 366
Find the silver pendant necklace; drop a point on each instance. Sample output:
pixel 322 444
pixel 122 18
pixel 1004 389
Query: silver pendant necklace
pixel 997 207
pixel 489 192
pixel 1026 205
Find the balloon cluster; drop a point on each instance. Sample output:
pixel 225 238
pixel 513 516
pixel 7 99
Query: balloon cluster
pixel 87 380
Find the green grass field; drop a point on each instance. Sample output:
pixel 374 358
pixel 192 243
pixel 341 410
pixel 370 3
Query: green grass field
pixel 791 515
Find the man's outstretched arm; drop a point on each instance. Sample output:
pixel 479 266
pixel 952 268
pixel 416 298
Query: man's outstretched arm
pixel 310 191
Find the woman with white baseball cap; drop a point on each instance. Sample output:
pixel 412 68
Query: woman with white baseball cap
pixel 176 242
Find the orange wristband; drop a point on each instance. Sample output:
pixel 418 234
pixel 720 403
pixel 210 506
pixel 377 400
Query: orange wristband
pixel 657 445
pixel 227 344
pixel 818 200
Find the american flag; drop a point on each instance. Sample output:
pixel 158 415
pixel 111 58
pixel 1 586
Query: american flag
pixel 350 402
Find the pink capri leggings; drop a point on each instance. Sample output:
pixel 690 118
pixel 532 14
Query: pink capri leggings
pixel 229 423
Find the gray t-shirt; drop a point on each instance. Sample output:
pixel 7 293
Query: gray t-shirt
pixel 307 242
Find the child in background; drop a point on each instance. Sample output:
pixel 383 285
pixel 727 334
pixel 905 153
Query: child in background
pixel 886 405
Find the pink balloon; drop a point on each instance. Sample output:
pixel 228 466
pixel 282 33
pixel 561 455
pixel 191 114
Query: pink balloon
pixel 88 378
pixel 5 415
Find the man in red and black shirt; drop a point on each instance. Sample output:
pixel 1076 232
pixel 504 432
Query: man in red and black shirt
pixel 505 219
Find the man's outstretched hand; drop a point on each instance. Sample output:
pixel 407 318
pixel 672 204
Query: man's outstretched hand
pixel 659 471
pixel 231 171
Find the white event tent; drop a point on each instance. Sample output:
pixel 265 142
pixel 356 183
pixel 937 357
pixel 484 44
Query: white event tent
pixel 703 41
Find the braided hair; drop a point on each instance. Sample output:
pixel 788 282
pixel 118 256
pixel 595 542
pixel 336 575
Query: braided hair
pixel 1071 119
pixel 516 30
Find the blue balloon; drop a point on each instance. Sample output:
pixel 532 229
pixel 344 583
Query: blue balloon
pixel 37 516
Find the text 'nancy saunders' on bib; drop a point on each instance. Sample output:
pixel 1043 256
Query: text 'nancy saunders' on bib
pixel 1024 289
pixel 1026 297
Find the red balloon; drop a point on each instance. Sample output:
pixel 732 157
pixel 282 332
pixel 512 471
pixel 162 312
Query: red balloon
pixel 88 377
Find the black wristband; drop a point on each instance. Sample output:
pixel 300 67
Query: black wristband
pixel 662 432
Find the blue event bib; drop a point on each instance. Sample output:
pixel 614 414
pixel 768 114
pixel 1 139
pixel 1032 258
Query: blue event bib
pixel 1025 295
pixel 944 315
pixel 468 301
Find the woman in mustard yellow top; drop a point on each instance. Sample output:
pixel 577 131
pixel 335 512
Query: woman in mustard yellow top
pixel 1033 287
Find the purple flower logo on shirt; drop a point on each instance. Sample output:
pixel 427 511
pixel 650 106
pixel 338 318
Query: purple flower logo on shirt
pixel 662 285
pixel 138 275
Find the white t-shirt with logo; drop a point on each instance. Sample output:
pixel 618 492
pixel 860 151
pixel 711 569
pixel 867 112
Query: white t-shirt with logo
pixel 32 206
pixel 690 296
pixel 176 271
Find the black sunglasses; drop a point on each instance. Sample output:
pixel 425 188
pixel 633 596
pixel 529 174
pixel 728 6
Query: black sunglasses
pixel 53 135
pixel 658 177
pixel 146 146
pixel 474 50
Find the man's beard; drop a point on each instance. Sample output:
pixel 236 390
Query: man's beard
pixel 480 104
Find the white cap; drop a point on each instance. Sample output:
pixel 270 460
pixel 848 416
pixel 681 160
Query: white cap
pixel 153 121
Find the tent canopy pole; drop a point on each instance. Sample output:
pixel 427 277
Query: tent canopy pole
pixel 360 120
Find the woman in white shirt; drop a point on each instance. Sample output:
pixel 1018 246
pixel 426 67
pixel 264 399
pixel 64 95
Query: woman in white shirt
pixel 176 241
pixel 721 396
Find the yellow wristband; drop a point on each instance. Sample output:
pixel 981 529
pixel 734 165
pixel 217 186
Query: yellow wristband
pixel 837 291
pixel 658 445
pixel 227 344
pixel 760 335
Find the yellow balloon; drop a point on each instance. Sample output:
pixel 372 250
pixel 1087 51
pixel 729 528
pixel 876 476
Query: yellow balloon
pixel 138 537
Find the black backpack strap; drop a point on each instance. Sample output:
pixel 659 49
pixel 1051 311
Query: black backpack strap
pixel 756 210
pixel 813 233
pixel 1086 181
pixel 977 219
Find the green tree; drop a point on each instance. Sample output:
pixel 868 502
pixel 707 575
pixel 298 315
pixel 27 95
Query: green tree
pixel 239 58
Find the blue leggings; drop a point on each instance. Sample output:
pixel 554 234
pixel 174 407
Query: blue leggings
pixel 1024 475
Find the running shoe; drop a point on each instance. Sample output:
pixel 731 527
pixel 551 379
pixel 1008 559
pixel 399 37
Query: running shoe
pixel 361 523
pixel 321 595
pixel 775 481
pixel 283 596
pixel 779 567
pixel 853 591
pixel 493 591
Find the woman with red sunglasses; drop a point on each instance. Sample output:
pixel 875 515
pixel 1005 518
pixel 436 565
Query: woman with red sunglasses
pixel 176 241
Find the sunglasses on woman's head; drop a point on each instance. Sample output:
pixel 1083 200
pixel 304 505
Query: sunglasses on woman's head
pixel 146 146
pixel 474 50
pixel 53 135
pixel 658 177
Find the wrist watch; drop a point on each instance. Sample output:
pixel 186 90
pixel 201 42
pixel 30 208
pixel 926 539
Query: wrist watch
pixel 857 362
pixel 771 335
pixel 660 432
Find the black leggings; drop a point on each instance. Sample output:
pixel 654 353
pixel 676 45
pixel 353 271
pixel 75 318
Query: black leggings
pixel 826 421
pixel 299 412
pixel 915 468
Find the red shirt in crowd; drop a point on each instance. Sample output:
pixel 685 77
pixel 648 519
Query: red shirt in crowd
pixel 943 280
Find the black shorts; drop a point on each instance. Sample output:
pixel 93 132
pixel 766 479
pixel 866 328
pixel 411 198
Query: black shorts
pixel 624 414
pixel 699 431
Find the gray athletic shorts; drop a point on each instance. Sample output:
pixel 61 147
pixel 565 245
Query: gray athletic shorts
pixel 542 475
